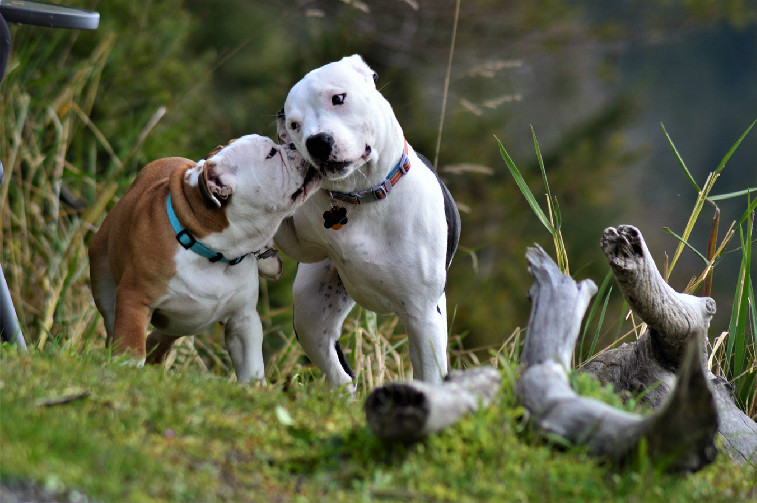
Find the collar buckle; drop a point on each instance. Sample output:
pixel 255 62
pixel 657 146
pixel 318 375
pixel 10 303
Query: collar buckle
pixel 382 191
pixel 185 239
pixel 267 253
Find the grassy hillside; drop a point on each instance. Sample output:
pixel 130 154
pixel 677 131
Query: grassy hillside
pixel 88 425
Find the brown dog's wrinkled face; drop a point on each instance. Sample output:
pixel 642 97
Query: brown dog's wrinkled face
pixel 258 176
pixel 328 117
pixel 289 150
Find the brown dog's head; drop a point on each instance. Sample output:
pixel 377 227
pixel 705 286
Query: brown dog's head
pixel 252 175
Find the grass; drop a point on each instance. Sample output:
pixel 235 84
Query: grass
pixel 150 434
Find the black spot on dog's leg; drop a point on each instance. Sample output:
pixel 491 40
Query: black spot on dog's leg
pixel 343 360
pixel 294 327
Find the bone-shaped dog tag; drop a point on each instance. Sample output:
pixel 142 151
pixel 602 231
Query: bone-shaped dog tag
pixel 335 217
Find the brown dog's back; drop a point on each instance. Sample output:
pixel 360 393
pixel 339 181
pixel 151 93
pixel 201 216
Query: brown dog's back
pixel 130 251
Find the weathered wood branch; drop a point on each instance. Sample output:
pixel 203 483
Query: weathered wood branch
pixel 407 411
pixel 667 363
pixel 650 364
pixel 681 433
pixel 672 318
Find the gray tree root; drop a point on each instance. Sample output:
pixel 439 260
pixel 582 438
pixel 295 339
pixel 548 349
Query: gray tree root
pixel 674 319
pixel 680 434
pixel 667 364
pixel 407 411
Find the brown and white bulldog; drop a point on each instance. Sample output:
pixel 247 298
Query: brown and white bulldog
pixel 181 249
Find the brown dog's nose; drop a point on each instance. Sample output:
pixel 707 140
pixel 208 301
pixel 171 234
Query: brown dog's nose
pixel 319 146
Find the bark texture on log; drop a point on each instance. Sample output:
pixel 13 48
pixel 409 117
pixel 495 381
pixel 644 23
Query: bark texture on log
pixel 680 434
pixel 651 363
pixel 672 318
pixel 667 363
pixel 407 411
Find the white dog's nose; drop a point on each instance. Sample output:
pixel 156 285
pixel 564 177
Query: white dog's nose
pixel 319 146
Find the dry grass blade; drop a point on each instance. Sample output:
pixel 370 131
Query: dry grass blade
pixel 708 270
pixel 711 245
pixel 702 195
pixel 446 84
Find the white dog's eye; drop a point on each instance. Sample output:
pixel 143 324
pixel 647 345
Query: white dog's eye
pixel 294 125
pixel 338 99
pixel 271 153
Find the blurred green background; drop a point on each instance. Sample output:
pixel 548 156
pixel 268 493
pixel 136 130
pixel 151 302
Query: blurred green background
pixel 594 79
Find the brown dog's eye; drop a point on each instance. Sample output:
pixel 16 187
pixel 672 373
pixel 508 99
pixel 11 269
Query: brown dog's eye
pixel 271 153
pixel 338 99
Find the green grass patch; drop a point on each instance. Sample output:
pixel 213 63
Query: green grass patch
pixel 147 434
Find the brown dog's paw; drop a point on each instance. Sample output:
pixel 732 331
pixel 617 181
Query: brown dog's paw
pixel 271 267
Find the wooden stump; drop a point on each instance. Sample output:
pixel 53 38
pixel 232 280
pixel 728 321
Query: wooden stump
pixel 673 319
pixel 667 363
pixel 558 305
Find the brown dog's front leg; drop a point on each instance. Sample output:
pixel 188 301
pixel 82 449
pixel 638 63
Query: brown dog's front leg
pixel 132 314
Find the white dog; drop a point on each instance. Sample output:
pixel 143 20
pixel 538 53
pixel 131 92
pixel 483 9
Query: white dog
pixel 181 249
pixel 381 232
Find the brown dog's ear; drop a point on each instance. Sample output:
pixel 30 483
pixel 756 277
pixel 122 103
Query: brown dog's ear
pixel 281 128
pixel 214 184
pixel 214 151
pixel 219 148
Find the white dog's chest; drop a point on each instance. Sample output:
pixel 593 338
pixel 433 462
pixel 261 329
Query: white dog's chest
pixel 202 293
pixel 387 251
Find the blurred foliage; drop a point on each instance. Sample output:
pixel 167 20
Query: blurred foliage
pixel 151 65
pixel 222 69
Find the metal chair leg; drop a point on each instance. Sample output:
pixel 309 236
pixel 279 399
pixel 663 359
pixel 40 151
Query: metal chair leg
pixel 10 331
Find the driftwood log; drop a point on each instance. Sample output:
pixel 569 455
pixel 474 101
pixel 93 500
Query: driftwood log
pixel 682 432
pixel 408 411
pixel 672 319
pixel 667 363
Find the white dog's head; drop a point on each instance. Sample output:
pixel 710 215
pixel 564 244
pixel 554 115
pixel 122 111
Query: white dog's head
pixel 335 117
pixel 253 177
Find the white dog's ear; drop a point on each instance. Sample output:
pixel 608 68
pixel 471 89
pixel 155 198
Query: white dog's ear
pixel 359 64
pixel 216 182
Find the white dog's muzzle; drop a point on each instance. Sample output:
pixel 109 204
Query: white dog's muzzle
pixel 324 152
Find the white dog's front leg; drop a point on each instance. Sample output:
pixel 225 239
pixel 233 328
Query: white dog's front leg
pixel 244 342
pixel 321 305
pixel 427 337
pixel 289 243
